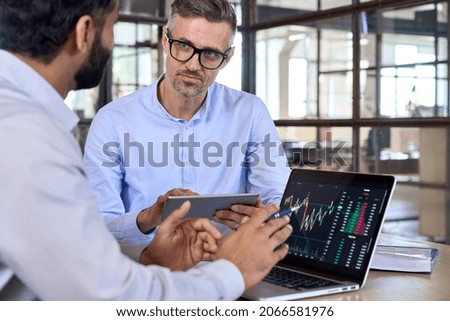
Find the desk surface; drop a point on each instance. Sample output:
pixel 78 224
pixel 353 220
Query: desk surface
pixel 391 286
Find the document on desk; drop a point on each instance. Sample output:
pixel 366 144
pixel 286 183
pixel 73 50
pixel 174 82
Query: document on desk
pixel 404 258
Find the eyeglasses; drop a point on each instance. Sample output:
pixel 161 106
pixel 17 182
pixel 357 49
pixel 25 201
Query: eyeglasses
pixel 209 59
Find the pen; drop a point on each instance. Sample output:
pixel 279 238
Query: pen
pixel 283 212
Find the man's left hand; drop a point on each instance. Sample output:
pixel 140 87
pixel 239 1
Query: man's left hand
pixel 234 219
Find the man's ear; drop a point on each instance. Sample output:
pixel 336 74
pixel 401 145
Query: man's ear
pixel 84 33
pixel 164 41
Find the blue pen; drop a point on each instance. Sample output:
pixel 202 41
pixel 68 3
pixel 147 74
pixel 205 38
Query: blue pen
pixel 283 212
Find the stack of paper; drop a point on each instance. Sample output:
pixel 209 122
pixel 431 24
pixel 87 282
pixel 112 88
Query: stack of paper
pixel 404 258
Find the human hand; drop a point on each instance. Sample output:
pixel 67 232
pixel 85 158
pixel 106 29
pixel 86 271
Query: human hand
pixel 256 246
pixel 232 218
pixel 151 216
pixel 180 244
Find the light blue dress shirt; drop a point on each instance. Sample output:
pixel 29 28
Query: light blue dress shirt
pixel 136 151
pixel 54 244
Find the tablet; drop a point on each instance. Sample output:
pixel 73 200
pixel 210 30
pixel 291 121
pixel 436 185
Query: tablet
pixel 207 205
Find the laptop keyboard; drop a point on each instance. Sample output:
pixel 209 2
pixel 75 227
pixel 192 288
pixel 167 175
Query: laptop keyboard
pixel 295 280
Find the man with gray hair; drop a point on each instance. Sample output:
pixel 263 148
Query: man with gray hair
pixel 185 133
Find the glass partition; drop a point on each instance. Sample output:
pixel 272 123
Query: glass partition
pixel 330 4
pixel 135 57
pixel 413 41
pixel 267 10
pixel 327 148
pixel 286 69
pixel 391 150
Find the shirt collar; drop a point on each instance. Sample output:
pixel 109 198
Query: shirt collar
pixel 29 82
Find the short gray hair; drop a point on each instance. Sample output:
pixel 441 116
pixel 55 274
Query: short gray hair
pixel 211 10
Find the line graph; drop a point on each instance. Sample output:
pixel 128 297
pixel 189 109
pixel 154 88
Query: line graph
pixel 307 220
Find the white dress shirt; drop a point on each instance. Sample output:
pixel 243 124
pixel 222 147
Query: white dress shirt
pixel 54 244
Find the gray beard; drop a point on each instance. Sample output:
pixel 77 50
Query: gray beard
pixel 186 90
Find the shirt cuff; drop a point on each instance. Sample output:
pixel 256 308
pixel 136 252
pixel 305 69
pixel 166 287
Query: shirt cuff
pixel 228 276
pixel 134 235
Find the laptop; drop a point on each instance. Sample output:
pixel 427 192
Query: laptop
pixel 335 231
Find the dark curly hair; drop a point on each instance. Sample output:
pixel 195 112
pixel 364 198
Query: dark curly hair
pixel 39 28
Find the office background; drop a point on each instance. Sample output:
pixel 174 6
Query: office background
pixel 352 85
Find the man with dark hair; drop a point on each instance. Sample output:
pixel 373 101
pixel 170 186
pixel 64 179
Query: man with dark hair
pixel 54 244
pixel 184 133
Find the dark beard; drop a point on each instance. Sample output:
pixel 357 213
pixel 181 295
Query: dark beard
pixel 91 73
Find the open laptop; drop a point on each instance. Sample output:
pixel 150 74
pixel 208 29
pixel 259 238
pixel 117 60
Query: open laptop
pixel 335 232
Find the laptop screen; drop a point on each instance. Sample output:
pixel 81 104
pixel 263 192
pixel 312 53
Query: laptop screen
pixel 338 221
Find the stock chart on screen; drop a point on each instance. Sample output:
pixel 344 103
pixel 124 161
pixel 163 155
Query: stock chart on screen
pixel 334 223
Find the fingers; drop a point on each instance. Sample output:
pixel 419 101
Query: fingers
pixel 257 245
pixel 210 244
pixel 276 230
pixel 180 192
pixel 204 225
pixel 279 237
pixel 257 215
pixel 175 217
pixel 281 251
pixel 229 218
pixel 161 200
pixel 259 202
pixel 239 214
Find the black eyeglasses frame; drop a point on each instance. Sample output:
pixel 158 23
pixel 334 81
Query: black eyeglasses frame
pixel 196 50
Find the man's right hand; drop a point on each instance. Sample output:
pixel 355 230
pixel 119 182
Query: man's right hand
pixel 256 246
pixel 151 216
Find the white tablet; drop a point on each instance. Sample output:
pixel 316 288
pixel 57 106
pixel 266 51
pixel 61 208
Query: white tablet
pixel 207 205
